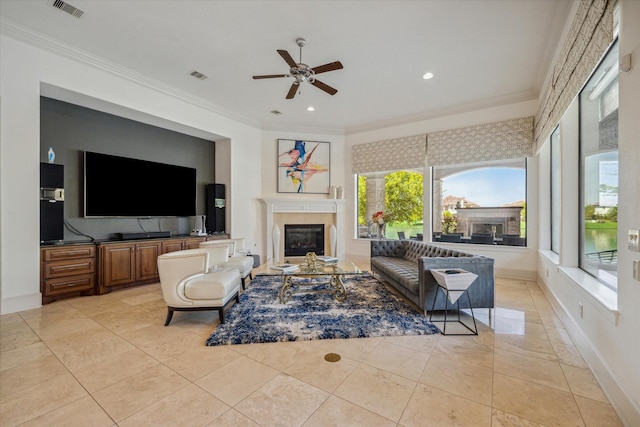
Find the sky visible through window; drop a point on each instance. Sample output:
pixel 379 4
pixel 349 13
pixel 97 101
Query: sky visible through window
pixel 488 187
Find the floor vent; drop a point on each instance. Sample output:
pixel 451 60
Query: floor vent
pixel 198 75
pixel 66 7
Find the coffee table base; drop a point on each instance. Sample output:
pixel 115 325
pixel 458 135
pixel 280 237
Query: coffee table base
pixel 334 286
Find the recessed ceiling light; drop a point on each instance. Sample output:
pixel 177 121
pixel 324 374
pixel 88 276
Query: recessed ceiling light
pixel 310 108
pixel 427 76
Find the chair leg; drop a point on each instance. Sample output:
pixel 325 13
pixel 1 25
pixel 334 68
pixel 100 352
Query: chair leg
pixel 169 316
pixel 221 314
pixel 243 279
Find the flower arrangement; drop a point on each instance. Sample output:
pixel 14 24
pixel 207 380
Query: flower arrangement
pixel 380 218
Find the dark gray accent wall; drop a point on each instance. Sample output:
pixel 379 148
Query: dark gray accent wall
pixel 71 130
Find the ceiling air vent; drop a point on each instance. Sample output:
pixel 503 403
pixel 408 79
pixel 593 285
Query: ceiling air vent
pixel 66 7
pixel 198 75
pixel 276 112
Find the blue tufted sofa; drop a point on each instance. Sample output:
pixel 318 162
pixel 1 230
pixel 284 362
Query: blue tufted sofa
pixel 405 265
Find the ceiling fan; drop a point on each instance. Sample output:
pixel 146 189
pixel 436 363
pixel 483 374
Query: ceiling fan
pixel 303 73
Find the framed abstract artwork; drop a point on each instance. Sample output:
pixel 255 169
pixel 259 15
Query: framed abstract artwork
pixel 303 166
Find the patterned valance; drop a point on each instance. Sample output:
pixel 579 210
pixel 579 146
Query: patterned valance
pixel 392 154
pixel 590 35
pixel 509 139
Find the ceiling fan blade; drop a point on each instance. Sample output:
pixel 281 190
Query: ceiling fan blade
pixel 287 58
pixel 271 76
pixel 325 87
pixel 293 90
pixel 337 65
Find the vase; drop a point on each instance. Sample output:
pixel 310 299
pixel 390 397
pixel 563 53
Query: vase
pixel 333 234
pixel 381 228
pixel 276 242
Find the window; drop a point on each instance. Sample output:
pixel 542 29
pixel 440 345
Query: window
pixel 482 203
pixel 599 171
pixel 556 200
pixel 399 196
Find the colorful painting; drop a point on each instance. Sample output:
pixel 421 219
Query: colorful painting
pixel 303 166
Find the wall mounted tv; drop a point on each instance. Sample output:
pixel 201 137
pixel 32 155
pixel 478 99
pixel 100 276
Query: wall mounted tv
pixel 123 187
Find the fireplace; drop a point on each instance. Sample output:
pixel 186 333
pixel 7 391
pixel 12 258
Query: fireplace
pixel 302 238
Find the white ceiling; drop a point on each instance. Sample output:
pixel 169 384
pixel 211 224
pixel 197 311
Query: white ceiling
pixel 482 53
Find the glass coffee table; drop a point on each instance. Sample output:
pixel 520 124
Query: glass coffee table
pixel 331 272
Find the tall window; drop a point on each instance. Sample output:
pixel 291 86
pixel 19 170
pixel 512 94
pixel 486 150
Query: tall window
pixel 599 171
pixel 481 203
pixel 399 196
pixel 556 200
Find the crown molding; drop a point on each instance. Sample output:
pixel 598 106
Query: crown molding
pixel 51 45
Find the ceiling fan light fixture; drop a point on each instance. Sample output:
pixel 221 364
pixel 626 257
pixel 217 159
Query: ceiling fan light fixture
pixel 428 75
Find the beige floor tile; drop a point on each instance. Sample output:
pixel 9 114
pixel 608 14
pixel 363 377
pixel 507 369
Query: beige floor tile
pixel 11 324
pixel 232 418
pixel 22 355
pixel 422 343
pixel 30 374
pixel 504 419
pixel 583 383
pixel 519 316
pixel 529 368
pixel 134 393
pixel 312 368
pixel 83 412
pixel 511 327
pixel 471 382
pixel 338 412
pixel 559 335
pixel 356 349
pixel 568 355
pixel 376 390
pixel 125 321
pixel 16 340
pixel 79 351
pixel 283 401
pixel 55 330
pixel 597 414
pixel 535 402
pixel 466 350
pixel 189 406
pixel 237 380
pixel 526 345
pixel 39 399
pixel 200 361
pixel 279 356
pixel 142 299
pixel 163 342
pixel 429 406
pixel 398 360
pixel 114 369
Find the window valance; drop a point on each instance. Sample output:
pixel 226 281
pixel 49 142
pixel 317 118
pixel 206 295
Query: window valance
pixel 388 155
pixel 509 139
pixel 590 35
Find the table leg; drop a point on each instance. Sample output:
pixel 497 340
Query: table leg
pixel 285 290
pixel 339 291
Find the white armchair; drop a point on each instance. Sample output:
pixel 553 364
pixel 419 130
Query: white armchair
pixel 240 262
pixel 191 281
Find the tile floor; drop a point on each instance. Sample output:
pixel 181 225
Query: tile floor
pixel 108 360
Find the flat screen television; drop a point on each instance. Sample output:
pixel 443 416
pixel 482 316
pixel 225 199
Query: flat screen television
pixel 124 187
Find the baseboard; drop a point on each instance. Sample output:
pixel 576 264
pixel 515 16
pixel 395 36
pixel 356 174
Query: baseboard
pixel 21 303
pixel 508 273
pixel 622 403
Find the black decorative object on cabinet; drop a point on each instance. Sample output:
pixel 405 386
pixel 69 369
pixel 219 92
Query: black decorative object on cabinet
pixel 215 208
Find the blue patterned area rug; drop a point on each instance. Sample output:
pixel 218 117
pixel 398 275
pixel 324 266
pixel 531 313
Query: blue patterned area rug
pixel 370 310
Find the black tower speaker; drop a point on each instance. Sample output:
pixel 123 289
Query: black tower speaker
pixel 215 208
pixel 51 202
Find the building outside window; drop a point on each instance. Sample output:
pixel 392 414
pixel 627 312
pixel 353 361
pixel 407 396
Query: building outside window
pixel 556 197
pixel 599 171
pixel 482 203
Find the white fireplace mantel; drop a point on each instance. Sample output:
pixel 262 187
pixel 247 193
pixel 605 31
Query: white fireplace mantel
pixel 305 206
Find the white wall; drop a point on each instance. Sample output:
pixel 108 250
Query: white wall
pixel 509 262
pixel 269 185
pixel 607 329
pixel 24 68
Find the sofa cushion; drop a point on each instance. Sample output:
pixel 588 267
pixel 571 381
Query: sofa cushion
pixel 402 270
